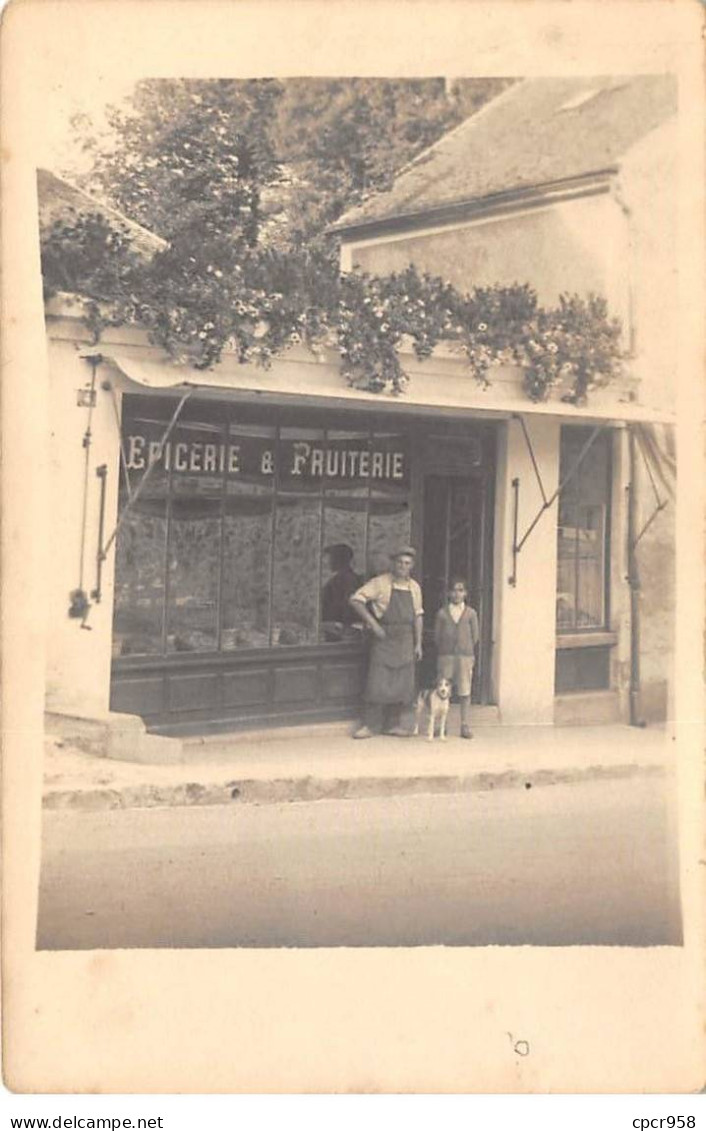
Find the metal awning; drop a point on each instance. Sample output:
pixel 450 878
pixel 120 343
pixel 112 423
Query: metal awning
pixel 290 386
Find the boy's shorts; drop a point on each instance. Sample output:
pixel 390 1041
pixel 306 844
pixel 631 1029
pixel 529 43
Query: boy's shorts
pixel 459 669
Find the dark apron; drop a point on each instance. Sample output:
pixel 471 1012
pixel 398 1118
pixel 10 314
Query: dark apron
pixel 391 675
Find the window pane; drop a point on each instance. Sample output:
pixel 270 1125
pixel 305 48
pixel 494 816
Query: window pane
pixel 581 546
pixel 301 455
pixel 247 533
pixel 389 464
pixel 253 451
pixel 194 567
pixel 594 472
pixel 461 507
pixel 296 571
pixel 347 463
pixel 572 441
pixel 343 561
pixel 142 431
pixel 389 527
pixel 198 458
pixel 139 578
pixel 566 565
pixel 590 552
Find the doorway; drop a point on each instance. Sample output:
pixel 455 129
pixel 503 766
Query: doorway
pixel 457 543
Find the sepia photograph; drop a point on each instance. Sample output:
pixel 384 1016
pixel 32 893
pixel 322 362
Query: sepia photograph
pixel 363 470
pixel 353 550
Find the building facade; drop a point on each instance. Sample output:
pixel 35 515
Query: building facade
pixel 213 524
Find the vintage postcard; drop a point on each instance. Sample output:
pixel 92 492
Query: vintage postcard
pixel 353 547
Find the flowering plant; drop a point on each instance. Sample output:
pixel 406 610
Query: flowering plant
pixel 199 298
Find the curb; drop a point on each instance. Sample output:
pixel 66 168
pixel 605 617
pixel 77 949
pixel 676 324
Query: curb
pixel 278 790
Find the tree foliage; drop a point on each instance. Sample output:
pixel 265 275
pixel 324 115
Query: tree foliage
pixel 190 158
pixel 232 156
pixel 241 178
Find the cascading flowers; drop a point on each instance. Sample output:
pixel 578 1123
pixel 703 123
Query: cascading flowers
pixel 198 302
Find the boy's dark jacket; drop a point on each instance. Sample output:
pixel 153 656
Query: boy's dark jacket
pixel 456 639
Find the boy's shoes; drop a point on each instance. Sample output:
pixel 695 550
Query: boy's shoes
pixel 363 732
pixel 466 732
pixel 399 732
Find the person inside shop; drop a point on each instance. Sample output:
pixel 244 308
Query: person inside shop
pixel 456 637
pixel 338 620
pixel 390 606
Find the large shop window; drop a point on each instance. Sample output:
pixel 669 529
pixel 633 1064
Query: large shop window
pixel 252 530
pixel 583 557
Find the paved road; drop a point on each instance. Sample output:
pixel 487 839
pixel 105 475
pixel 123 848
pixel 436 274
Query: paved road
pixel 593 863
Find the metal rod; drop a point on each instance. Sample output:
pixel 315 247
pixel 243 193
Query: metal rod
pixel 530 528
pixel 152 464
pixel 636 719
pixel 650 520
pixel 581 456
pixel 94 362
pixel 645 460
pixel 102 473
pixel 513 577
pixel 567 479
pixel 530 449
pixel 123 457
pixel 659 462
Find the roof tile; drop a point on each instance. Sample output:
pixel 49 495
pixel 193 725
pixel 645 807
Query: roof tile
pixel 536 132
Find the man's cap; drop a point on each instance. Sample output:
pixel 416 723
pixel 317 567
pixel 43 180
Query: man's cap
pixel 403 551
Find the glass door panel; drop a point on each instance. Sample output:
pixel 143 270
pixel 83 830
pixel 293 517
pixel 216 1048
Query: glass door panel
pixel 453 547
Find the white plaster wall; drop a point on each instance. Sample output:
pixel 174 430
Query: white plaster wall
pixel 656 566
pixel 647 183
pixel 78 659
pixel 524 629
pixel 646 187
pixel 573 246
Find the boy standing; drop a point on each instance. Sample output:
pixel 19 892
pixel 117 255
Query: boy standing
pixel 456 635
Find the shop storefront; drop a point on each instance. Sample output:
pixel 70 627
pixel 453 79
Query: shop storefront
pixel 243 533
pixel 230 514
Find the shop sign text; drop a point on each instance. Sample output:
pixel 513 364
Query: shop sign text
pixel 295 460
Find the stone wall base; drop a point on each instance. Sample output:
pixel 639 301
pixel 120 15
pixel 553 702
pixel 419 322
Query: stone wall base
pixel 113 735
pixel 587 708
pixel 654 699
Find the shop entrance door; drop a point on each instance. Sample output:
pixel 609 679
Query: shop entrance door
pixel 456 544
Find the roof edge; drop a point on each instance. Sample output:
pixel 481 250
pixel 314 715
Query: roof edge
pixel 509 200
pixel 93 204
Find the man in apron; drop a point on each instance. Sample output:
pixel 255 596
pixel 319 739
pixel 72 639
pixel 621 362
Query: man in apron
pixel 391 606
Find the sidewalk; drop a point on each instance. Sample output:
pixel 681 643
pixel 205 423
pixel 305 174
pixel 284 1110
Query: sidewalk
pixel 314 763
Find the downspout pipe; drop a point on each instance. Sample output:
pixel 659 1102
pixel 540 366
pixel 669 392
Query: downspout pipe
pixel 633 578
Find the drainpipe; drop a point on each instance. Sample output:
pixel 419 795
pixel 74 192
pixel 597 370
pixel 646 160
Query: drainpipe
pixel 633 579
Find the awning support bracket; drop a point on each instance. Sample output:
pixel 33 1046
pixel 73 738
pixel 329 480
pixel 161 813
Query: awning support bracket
pixel 546 502
pixel 530 449
pixel 660 502
pixel 123 456
pixel 134 496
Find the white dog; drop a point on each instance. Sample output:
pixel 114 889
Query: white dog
pixel 435 700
